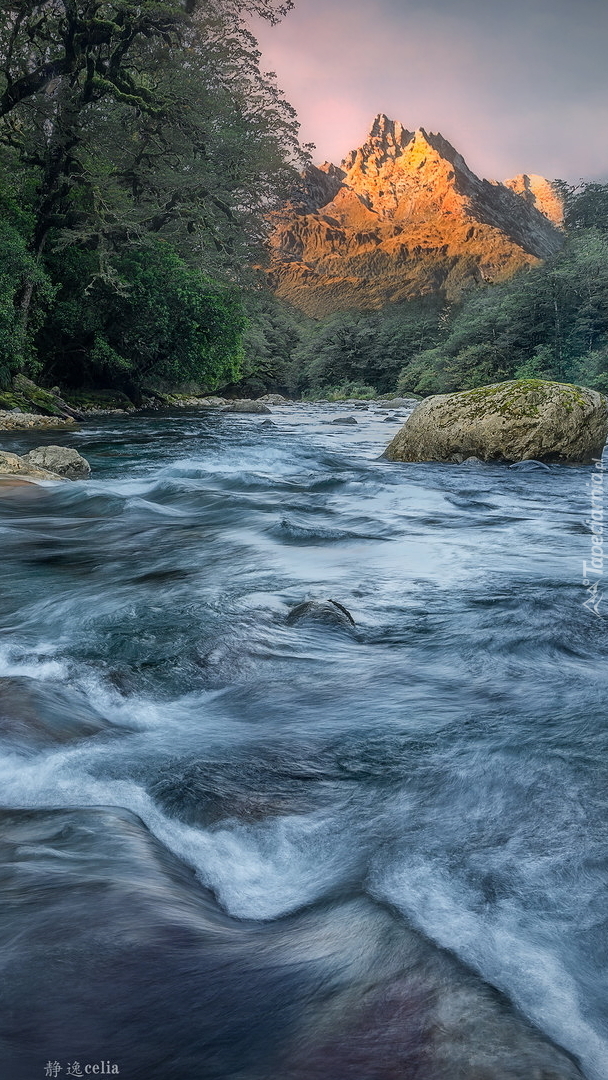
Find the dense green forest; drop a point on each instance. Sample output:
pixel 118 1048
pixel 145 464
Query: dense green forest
pixel 550 321
pixel 141 151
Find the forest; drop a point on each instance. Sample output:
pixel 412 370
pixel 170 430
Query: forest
pixel 142 151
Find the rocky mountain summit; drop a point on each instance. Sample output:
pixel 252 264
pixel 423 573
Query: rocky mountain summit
pixel 402 217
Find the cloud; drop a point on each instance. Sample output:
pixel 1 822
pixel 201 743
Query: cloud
pixel 515 85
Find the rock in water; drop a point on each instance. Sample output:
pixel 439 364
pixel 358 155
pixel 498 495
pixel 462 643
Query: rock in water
pixel 62 460
pixel 274 399
pixel 509 421
pixel 111 949
pixel 34 715
pixel 530 466
pixel 13 465
pixel 246 406
pixel 329 612
pixel 397 403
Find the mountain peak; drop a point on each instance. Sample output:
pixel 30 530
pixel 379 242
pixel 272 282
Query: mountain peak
pixel 403 216
pixel 387 139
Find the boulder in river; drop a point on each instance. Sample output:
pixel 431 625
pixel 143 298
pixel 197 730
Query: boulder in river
pixel 46 463
pixel 63 460
pixel 343 420
pixel 397 403
pixel 246 406
pixel 329 612
pixel 13 465
pixel 274 399
pixel 508 421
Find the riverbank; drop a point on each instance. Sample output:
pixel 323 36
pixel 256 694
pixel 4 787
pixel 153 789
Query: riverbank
pixel 28 405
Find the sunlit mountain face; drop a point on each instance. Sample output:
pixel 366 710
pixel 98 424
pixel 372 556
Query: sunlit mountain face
pixel 404 216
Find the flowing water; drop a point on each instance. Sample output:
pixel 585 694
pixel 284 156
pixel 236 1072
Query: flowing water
pixel 427 789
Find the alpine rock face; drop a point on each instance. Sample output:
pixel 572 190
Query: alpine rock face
pixel 402 217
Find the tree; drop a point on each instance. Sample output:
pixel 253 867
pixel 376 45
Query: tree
pixel 18 270
pixel 137 122
pixel 585 204
pixel 169 324
pixel 97 95
pixel 550 321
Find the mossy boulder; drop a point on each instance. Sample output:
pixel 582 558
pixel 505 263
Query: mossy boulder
pixel 100 402
pixel 508 421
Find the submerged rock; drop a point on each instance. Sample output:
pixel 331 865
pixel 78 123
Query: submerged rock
pixel 329 612
pixel 246 406
pixel 343 420
pixel 509 421
pixel 112 950
pixel 37 715
pixel 63 460
pixel 529 466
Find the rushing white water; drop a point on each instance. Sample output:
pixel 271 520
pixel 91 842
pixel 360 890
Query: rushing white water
pixel 447 757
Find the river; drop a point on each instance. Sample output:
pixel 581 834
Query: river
pixel 367 852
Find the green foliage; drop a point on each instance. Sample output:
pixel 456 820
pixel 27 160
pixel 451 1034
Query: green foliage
pixel 158 321
pixel 547 322
pixel 366 349
pixel 273 334
pixel 346 392
pixel 585 205
pixel 21 275
pixel 151 148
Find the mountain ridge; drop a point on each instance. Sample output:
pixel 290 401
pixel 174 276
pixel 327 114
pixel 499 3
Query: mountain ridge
pixel 404 216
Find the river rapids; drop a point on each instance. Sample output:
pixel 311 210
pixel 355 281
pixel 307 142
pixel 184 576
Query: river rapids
pixel 237 847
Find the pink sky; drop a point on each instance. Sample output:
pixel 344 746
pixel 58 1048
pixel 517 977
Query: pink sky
pixel 515 85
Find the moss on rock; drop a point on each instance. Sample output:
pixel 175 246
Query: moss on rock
pixel 509 421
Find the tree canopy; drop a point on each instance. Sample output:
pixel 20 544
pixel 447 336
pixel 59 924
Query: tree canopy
pixel 125 124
